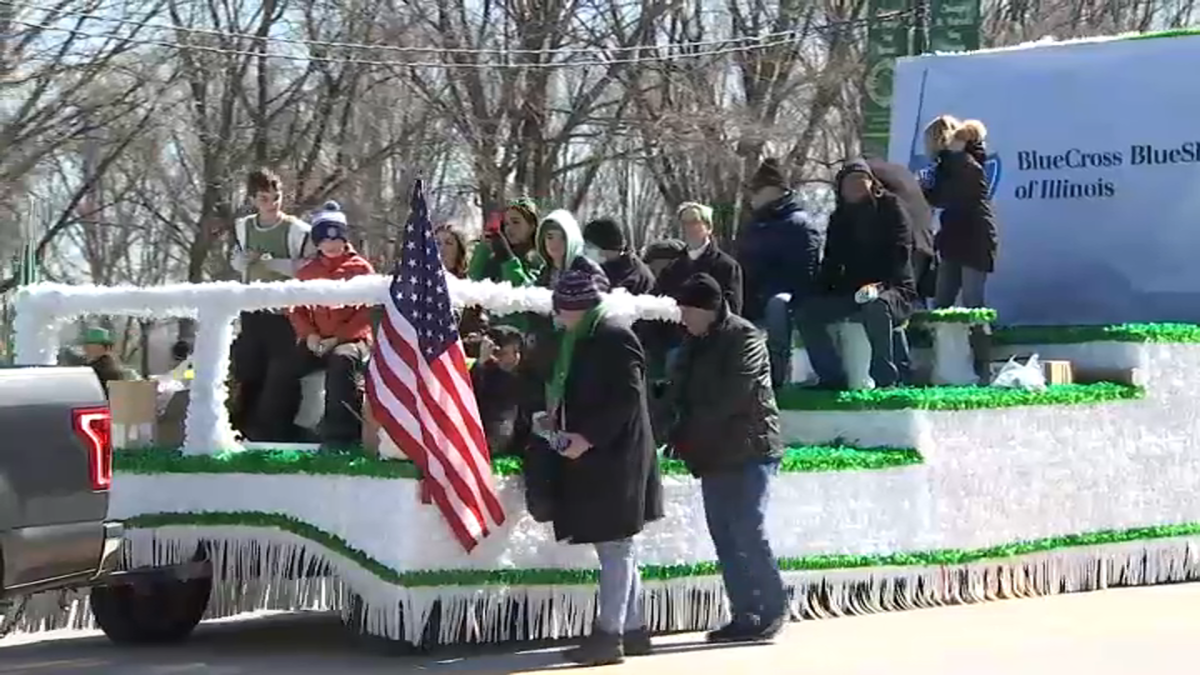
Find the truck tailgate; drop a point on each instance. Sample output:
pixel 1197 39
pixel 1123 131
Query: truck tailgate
pixel 51 518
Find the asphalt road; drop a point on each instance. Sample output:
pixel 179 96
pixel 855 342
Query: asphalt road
pixel 1121 632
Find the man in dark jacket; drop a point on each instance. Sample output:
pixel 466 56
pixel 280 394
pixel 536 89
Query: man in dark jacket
pixel 727 432
pixel 97 350
pixel 866 276
pixel 604 242
pixel 779 251
pixel 701 256
pixel 901 182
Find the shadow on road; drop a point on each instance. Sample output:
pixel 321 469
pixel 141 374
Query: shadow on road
pixel 295 644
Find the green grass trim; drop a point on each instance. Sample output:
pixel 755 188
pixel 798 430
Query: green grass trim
pixel 800 459
pixel 954 398
pixel 980 315
pixel 1158 333
pixel 529 577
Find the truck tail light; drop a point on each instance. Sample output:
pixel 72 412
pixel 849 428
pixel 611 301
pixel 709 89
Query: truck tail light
pixel 93 426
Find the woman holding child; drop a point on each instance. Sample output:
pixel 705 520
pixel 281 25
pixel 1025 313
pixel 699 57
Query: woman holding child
pixel 966 241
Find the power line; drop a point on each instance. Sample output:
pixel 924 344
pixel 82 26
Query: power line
pixel 427 64
pixel 430 49
pixel 763 42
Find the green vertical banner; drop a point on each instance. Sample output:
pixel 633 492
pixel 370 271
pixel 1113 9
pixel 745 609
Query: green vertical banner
pixel 887 39
pixel 954 25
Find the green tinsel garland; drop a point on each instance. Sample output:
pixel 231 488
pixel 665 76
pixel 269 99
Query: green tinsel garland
pixel 530 577
pixel 981 315
pixel 1162 333
pixel 798 459
pixel 954 398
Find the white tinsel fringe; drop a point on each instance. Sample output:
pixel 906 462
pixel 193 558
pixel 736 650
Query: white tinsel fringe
pixel 296 574
pixel 62 301
pixel 43 308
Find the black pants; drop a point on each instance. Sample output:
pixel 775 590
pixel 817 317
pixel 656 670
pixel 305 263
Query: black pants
pixel 265 338
pixel 342 421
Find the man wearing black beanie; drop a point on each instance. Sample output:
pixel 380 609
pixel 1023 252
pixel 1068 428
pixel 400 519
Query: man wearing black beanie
pixel 605 244
pixel 726 429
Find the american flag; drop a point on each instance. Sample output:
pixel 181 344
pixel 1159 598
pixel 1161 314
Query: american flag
pixel 420 389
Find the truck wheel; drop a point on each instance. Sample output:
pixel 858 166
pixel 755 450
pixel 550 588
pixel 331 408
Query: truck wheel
pixel 155 613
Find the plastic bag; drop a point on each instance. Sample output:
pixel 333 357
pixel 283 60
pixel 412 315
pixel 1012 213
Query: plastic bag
pixel 1017 375
pixel 167 385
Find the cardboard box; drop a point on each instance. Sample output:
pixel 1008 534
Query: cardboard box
pixel 134 406
pixel 1056 372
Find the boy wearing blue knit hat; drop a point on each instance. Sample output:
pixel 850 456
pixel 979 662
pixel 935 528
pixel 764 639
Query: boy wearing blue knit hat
pixel 335 340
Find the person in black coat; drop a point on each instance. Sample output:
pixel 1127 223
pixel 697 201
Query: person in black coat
pixel 701 256
pixel 606 484
pixel 866 276
pixel 726 429
pixel 966 238
pixel 605 243
pixel 898 180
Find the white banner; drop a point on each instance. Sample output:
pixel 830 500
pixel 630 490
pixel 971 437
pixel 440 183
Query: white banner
pixel 1095 172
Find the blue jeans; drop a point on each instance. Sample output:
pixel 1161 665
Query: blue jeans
pixel 620 588
pixel 777 322
pixel 735 505
pixel 819 312
pixel 954 278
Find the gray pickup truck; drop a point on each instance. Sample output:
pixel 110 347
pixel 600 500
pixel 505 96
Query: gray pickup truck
pixel 55 534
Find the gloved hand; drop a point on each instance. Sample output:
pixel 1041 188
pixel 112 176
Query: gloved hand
pixel 500 248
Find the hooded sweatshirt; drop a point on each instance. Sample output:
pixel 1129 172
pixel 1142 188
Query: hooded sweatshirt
pixel 347 324
pixel 542 337
pixel 564 222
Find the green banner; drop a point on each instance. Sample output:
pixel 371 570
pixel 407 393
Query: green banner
pixel 887 39
pixel 954 25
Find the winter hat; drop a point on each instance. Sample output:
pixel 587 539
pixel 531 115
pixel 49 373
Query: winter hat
pixel 181 350
pixel 527 208
pixel 605 234
pixel 97 336
pixel 667 249
pixel 702 292
pixel 329 223
pixel 769 174
pixel 576 291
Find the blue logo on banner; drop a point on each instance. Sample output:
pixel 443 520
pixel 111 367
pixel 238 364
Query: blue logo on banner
pixel 923 168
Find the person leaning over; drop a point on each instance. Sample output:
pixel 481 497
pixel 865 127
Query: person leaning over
pixel 726 429
pixel 605 480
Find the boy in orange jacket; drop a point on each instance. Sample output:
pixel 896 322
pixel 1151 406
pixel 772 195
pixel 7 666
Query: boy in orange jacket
pixel 336 339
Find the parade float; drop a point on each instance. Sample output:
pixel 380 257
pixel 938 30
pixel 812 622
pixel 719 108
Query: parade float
pixel 887 499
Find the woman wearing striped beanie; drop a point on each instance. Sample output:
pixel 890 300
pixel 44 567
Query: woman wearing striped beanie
pixel 605 473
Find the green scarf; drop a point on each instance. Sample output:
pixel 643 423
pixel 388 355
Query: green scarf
pixel 566 349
